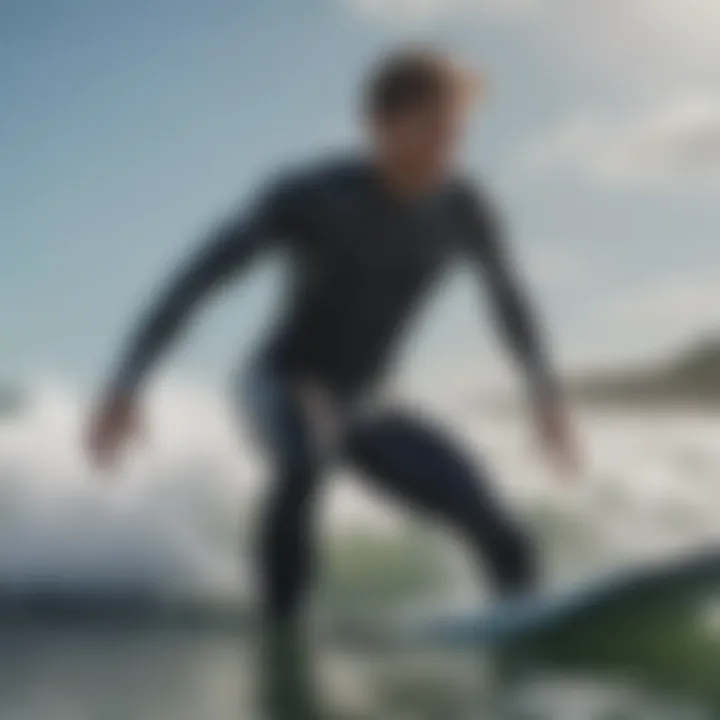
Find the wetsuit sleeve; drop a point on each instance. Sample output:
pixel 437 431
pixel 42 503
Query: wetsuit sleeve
pixel 226 252
pixel 488 251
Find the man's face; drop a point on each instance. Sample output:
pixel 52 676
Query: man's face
pixel 423 141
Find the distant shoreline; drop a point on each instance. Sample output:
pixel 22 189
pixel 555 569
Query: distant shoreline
pixel 690 379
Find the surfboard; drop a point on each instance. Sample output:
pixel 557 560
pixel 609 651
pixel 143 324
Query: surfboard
pixel 660 589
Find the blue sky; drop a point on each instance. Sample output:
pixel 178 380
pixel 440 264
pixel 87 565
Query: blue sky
pixel 127 128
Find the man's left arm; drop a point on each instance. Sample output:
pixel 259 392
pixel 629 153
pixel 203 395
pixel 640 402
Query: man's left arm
pixel 518 322
pixel 516 318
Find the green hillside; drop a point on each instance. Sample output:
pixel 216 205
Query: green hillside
pixel 692 376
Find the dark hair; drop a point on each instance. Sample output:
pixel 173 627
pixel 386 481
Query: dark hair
pixel 410 79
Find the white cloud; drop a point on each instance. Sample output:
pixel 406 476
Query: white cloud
pixel 656 41
pixel 425 10
pixel 677 144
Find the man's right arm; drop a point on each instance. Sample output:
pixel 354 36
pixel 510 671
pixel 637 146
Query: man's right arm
pixel 224 254
pixel 227 252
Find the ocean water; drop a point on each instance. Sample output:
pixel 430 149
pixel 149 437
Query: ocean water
pixel 177 522
pixel 128 673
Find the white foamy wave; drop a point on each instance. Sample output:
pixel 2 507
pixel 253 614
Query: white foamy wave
pixel 177 516
pixel 651 484
pixel 166 520
pixel 179 513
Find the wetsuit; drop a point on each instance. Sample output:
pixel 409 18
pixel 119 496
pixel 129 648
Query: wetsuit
pixel 361 261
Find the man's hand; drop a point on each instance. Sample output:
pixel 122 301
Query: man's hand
pixel 113 425
pixel 557 436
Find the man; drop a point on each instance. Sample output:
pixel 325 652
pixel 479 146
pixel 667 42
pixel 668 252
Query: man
pixel 366 237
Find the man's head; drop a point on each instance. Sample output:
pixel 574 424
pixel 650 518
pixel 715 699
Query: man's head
pixel 416 104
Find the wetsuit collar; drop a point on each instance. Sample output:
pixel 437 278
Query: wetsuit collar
pixel 394 194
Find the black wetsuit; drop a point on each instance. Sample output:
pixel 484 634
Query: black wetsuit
pixel 361 262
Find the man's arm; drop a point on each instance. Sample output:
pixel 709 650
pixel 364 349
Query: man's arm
pixel 225 253
pixel 520 329
pixel 515 316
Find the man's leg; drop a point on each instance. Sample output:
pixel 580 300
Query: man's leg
pixel 421 466
pixel 287 528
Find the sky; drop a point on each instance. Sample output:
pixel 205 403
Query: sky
pixel 127 129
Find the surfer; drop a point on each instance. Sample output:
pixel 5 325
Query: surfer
pixel 366 236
